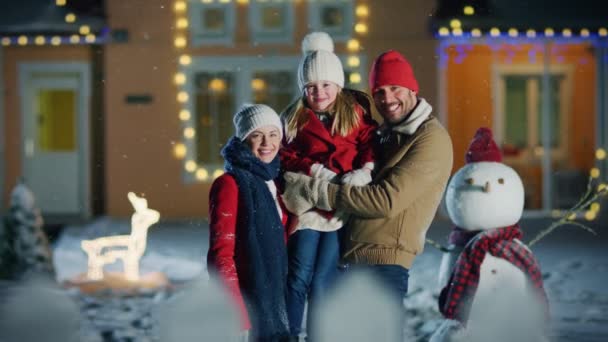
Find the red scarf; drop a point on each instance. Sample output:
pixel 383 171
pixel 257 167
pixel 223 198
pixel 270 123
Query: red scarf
pixel 456 297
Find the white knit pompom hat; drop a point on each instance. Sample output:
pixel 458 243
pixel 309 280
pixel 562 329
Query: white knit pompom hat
pixel 319 62
pixel 252 116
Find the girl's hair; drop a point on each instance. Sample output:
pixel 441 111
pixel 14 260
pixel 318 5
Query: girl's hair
pixel 343 111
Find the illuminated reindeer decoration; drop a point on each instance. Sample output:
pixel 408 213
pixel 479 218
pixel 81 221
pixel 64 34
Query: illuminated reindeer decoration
pixel 129 248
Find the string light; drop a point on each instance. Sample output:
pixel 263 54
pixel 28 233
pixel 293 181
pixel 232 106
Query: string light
pixel 39 40
pixel 494 32
pixel 600 154
pixel 84 30
pixel 457 32
pixel 513 32
pixel 74 39
pixel 455 23
pixel 590 215
pixel 353 45
pixel 549 32
pixel 531 33
pixel 189 132
pixel 180 78
pixel 361 28
pixel 70 18
pixel 184 115
pixel 185 60
pixel 603 32
pixel 180 42
pixel 217 173
pixel 181 23
pixel 444 31
pixel 90 38
pixel 584 33
pixel 476 32
pixel 190 166
pixel 60 2
pixel 6 41
pixel 202 174
pixel 182 97
pixel 468 10
pixel 180 6
pixel 353 61
pixel 258 84
pixel 567 32
pixel 22 40
pixel 362 11
pixel 594 173
pixel 179 151
pixel 56 40
pixel 355 78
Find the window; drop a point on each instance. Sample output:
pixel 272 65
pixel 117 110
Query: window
pixel 523 120
pixel 212 24
pixel 271 21
pixel 218 86
pixel 334 17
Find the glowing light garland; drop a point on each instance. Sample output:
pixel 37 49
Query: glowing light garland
pixel 129 248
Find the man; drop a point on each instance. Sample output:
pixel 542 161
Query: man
pixel 390 217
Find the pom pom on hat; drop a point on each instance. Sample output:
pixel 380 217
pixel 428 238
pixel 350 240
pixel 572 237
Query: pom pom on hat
pixel 253 116
pixel 317 41
pixel 483 148
pixel 391 68
pixel 319 62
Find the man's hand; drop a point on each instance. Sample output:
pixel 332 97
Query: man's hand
pixel 303 193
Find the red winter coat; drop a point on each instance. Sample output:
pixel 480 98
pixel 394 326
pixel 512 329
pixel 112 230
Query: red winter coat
pixel 314 144
pixel 224 225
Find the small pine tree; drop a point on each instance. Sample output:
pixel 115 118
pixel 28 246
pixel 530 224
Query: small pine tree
pixel 26 245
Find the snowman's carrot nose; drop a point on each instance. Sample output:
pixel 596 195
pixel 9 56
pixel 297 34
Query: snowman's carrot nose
pixel 486 187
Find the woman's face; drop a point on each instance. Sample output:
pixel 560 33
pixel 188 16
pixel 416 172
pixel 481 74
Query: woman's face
pixel 264 142
pixel 321 95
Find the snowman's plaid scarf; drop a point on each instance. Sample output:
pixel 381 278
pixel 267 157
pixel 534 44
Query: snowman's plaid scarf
pixel 456 297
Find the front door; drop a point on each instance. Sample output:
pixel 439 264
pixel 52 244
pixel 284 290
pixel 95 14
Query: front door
pixel 55 136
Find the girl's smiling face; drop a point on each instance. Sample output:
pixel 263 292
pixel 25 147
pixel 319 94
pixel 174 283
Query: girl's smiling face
pixel 320 95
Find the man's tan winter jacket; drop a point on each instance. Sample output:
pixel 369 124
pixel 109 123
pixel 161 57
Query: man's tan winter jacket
pixel 390 218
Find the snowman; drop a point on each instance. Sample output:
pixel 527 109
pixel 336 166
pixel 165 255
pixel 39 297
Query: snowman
pixel 492 284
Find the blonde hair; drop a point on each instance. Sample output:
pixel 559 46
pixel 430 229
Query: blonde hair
pixel 343 110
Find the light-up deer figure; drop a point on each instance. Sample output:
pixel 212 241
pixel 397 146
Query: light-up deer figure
pixel 130 248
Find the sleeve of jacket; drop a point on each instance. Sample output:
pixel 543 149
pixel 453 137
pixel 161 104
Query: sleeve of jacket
pixel 367 129
pixel 223 213
pixel 293 160
pixel 426 165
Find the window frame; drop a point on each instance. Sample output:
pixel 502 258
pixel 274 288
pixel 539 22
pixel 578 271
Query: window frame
pixel 501 71
pixel 315 9
pixel 198 36
pixel 260 35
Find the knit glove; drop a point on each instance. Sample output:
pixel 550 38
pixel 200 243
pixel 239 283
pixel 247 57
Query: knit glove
pixel 320 171
pixel 359 177
pixel 303 193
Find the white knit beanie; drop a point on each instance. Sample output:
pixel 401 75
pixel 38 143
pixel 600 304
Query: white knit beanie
pixel 319 62
pixel 252 116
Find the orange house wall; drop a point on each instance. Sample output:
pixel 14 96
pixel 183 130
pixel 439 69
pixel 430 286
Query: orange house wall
pixel 13 56
pixel 139 138
pixel 470 96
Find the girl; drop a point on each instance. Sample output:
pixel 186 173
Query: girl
pixel 247 236
pixel 328 133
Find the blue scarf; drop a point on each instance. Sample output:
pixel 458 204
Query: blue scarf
pixel 263 275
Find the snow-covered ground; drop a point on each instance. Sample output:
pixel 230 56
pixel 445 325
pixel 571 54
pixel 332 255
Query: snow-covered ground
pixel 574 265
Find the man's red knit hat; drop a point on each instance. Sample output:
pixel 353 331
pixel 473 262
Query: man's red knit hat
pixel 483 148
pixel 391 68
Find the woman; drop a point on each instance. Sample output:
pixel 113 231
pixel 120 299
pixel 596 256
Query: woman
pixel 246 219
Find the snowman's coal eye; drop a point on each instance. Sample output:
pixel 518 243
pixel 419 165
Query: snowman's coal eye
pixel 501 181
pixel 469 181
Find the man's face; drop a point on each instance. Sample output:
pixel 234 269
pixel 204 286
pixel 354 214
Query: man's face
pixel 394 102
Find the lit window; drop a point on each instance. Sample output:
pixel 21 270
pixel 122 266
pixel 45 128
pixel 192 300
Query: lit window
pixel 212 23
pixel 333 17
pixel 271 22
